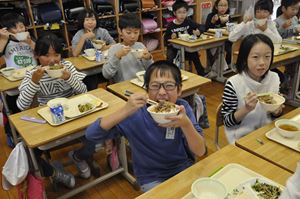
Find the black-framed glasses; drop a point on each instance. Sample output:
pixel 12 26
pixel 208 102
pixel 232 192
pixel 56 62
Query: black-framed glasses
pixel 168 86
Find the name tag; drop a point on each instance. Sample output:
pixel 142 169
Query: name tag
pixel 170 133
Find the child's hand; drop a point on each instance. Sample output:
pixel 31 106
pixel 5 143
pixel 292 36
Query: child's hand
pixel 123 51
pixel 4 34
pixel 287 24
pixel 298 28
pixel 173 35
pixel 37 74
pixel 196 32
pixel 263 27
pixel 250 101
pixel 224 19
pixel 89 35
pixel 28 40
pixel 66 74
pixel 214 19
pixel 179 120
pixel 278 111
pixel 135 102
pixel 146 54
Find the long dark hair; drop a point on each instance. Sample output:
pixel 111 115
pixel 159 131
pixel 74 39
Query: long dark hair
pixel 46 41
pixel 246 46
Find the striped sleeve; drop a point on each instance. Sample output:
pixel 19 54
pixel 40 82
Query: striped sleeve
pixel 230 104
pixel 27 89
pixel 75 79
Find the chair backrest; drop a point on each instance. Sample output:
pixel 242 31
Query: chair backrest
pixel 219 123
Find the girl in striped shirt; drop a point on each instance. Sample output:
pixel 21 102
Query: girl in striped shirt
pixel 48 51
pixel 241 112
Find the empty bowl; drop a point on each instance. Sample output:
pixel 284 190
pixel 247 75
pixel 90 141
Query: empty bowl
pixel 55 71
pixel 138 53
pixel 90 52
pixel 21 36
pixel 205 188
pixel 140 75
pixel 287 128
pixel 159 117
pixel 57 101
pixel 270 101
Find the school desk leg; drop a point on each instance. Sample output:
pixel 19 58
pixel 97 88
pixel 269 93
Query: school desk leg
pixel 123 160
pixel 220 69
pixel 182 60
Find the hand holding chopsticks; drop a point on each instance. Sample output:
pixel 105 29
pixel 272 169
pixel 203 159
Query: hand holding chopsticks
pixel 149 101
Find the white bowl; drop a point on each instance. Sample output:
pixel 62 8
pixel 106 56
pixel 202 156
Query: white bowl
pixel 98 44
pixel 160 117
pixel 8 71
pixel 57 101
pixel 261 22
pixel 90 52
pixel 140 75
pixel 205 188
pixel 184 36
pixel 224 17
pixel 285 132
pixel 138 53
pixel 21 36
pixel 279 100
pixel 55 73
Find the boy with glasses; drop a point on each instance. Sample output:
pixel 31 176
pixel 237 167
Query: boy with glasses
pixel 159 151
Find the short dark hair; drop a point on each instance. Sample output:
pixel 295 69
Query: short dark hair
pixel 163 66
pixel 129 20
pixel 10 20
pixel 179 4
pixel 46 41
pixel 247 44
pixel 87 13
pixel 215 10
pixel 288 3
pixel 264 5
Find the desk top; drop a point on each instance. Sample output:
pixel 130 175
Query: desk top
pixel 197 43
pixel 35 134
pixel 278 154
pixel 82 63
pixel 180 185
pixel 189 86
pixel 6 85
pixel 287 56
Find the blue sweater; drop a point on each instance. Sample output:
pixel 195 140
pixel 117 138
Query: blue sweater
pixel 155 158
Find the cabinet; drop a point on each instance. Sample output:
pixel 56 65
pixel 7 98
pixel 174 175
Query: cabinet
pixel 67 29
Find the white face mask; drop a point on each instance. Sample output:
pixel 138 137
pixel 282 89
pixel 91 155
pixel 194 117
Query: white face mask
pixel 260 22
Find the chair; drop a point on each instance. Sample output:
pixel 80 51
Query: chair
pixel 219 123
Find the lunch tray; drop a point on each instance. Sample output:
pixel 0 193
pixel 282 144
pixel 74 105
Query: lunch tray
pixel 13 78
pixel 46 114
pixel 92 58
pixel 293 143
pixel 198 39
pixel 140 83
pixel 225 176
pixel 281 52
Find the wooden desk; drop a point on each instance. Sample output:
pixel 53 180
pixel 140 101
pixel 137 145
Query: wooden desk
pixel 35 135
pixel 86 66
pixel 204 44
pixel 180 185
pixel 189 86
pixel 276 153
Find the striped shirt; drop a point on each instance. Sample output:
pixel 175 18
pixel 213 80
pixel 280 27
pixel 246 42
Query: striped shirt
pixel 230 105
pixel 50 88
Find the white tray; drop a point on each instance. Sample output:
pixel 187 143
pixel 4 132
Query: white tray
pixel 232 175
pixel 293 143
pixel 72 113
pixel 281 52
pixel 198 39
pixel 92 58
pixel 16 74
pixel 140 83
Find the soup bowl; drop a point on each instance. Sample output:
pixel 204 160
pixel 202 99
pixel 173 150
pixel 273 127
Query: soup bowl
pixel 160 117
pixel 205 188
pixel 275 103
pixel 287 128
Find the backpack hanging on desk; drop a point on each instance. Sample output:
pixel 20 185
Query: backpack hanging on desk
pixel 49 13
pixel 103 7
pixel 129 5
pixel 146 4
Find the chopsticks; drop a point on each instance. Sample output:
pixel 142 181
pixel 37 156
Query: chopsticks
pixel 149 101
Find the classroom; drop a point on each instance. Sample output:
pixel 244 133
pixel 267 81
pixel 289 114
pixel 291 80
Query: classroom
pixel 117 99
